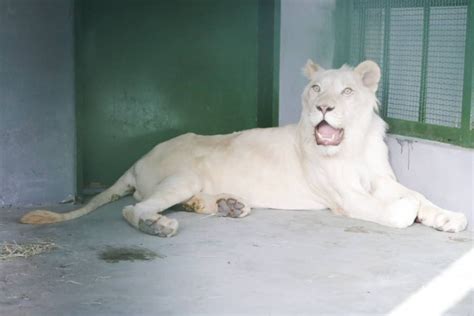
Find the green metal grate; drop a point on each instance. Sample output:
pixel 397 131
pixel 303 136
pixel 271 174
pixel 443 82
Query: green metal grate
pixel 374 38
pixel 444 81
pixel 424 48
pixel 405 57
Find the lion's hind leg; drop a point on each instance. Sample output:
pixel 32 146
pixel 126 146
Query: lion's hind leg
pixel 226 205
pixel 171 191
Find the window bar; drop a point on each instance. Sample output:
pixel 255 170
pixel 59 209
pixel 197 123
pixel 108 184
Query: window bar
pixel 424 62
pixel 467 130
pixel 386 60
pixel 362 28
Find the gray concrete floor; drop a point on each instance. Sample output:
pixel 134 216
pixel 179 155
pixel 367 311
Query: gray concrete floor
pixel 269 263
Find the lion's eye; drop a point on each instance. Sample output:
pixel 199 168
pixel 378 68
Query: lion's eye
pixel 316 88
pixel 347 91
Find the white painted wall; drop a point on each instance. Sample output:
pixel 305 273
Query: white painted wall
pixel 443 173
pixel 306 31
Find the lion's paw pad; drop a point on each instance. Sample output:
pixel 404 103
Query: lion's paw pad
pixel 231 207
pixel 160 226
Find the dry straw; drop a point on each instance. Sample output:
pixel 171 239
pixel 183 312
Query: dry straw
pixel 13 249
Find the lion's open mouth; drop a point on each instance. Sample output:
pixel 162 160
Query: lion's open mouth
pixel 327 135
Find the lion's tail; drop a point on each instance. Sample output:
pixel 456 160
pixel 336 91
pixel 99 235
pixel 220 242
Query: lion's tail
pixel 122 187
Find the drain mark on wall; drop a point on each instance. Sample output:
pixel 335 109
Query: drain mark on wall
pixel 406 143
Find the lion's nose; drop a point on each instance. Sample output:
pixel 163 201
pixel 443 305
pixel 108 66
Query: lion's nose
pixel 324 108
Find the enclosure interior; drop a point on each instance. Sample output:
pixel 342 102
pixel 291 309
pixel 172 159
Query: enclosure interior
pixel 87 87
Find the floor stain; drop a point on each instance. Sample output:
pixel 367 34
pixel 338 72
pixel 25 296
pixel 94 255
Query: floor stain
pixel 117 254
pixel 363 230
pixel 356 229
pixel 458 239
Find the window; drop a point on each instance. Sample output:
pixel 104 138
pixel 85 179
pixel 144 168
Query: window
pixel 425 50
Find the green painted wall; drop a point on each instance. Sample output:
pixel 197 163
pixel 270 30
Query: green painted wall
pixel 147 71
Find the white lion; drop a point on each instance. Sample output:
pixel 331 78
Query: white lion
pixel 335 158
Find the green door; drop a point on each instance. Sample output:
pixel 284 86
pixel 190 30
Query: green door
pixel 147 71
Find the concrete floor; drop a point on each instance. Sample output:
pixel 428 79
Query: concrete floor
pixel 269 263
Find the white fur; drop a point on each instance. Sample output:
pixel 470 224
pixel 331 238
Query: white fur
pixel 284 168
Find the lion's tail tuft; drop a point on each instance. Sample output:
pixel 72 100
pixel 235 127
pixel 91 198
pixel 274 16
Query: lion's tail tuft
pixel 41 217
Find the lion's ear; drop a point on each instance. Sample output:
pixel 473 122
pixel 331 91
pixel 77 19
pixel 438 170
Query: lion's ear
pixel 310 69
pixel 370 73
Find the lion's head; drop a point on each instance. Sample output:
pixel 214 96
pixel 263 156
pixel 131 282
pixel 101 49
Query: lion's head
pixel 338 105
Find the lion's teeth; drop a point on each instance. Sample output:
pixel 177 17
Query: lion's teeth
pixel 332 138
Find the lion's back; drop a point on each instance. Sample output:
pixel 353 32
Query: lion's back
pixel 236 162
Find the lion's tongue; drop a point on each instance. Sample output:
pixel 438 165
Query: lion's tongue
pixel 328 135
pixel 326 130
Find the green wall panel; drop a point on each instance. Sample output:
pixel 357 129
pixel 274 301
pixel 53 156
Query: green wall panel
pixel 147 71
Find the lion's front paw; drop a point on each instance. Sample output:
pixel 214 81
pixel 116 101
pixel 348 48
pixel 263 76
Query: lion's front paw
pixel 450 222
pixel 403 212
pixel 442 220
